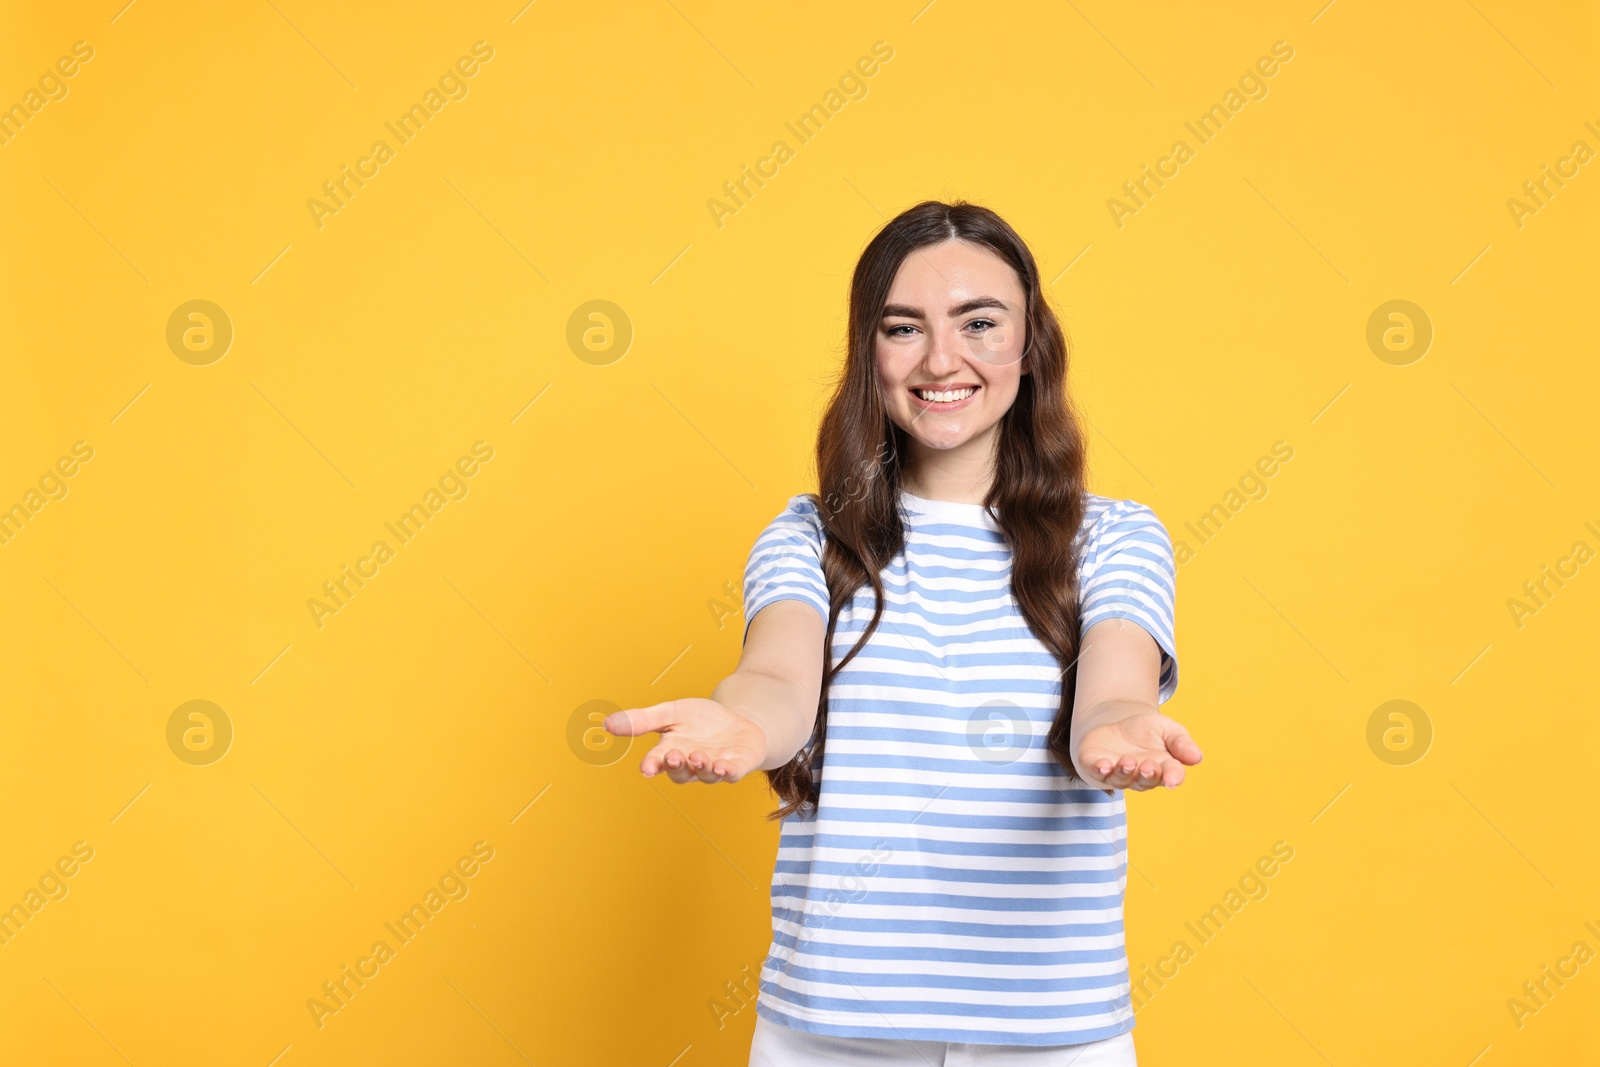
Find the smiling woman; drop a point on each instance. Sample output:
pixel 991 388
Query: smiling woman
pixel 962 362
pixel 952 580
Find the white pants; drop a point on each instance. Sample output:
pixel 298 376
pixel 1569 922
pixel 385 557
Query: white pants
pixel 776 1045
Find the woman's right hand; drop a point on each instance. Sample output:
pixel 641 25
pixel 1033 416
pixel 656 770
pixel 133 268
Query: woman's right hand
pixel 701 740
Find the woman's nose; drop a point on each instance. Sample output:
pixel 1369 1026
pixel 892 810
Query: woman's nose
pixel 944 356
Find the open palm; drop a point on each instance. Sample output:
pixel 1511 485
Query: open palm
pixel 700 740
pixel 1139 752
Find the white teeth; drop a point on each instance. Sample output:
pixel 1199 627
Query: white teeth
pixel 944 396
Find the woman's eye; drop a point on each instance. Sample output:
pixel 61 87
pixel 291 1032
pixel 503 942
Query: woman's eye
pixel 984 322
pixel 902 326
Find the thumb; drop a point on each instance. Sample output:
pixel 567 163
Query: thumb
pixel 1180 744
pixel 635 721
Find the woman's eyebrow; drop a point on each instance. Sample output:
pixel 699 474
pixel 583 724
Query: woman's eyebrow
pixel 905 311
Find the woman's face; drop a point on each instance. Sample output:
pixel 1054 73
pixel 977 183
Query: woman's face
pixel 949 347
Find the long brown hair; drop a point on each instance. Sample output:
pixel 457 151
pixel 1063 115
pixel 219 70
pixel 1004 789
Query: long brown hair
pixel 1037 496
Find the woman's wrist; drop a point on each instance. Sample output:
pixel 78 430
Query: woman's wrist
pixel 1103 713
pixel 751 697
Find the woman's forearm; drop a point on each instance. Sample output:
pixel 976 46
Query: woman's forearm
pixel 780 706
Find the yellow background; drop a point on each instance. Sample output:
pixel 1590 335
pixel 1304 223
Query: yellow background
pixel 433 709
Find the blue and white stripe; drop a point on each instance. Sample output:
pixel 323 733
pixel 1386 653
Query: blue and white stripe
pixel 950 886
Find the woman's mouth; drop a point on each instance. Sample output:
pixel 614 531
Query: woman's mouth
pixel 951 398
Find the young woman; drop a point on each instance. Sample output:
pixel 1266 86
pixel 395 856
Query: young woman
pixel 953 853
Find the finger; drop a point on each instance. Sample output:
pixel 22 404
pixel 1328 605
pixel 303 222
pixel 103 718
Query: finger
pixel 1149 775
pixel 1181 745
pixel 700 764
pixel 1109 770
pixel 1126 773
pixel 730 770
pixel 1146 771
pixel 1123 771
pixel 678 768
pixel 1095 770
pixel 635 721
pixel 1118 778
pixel 655 761
pixel 1094 773
pixel 660 759
pixel 1172 775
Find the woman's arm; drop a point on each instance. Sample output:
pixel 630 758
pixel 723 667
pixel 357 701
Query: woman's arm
pixel 757 718
pixel 779 678
pixel 1119 738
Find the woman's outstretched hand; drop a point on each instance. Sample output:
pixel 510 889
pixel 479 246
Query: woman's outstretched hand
pixel 1139 752
pixel 700 740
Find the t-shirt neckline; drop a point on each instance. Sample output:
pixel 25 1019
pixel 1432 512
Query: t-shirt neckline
pixel 948 510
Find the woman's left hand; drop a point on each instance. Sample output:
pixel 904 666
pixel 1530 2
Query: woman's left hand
pixel 1139 752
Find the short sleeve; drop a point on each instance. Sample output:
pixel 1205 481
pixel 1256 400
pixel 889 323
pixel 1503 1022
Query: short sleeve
pixel 786 561
pixel 1129 573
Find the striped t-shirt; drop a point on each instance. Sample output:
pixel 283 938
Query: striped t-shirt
pixel 950 885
